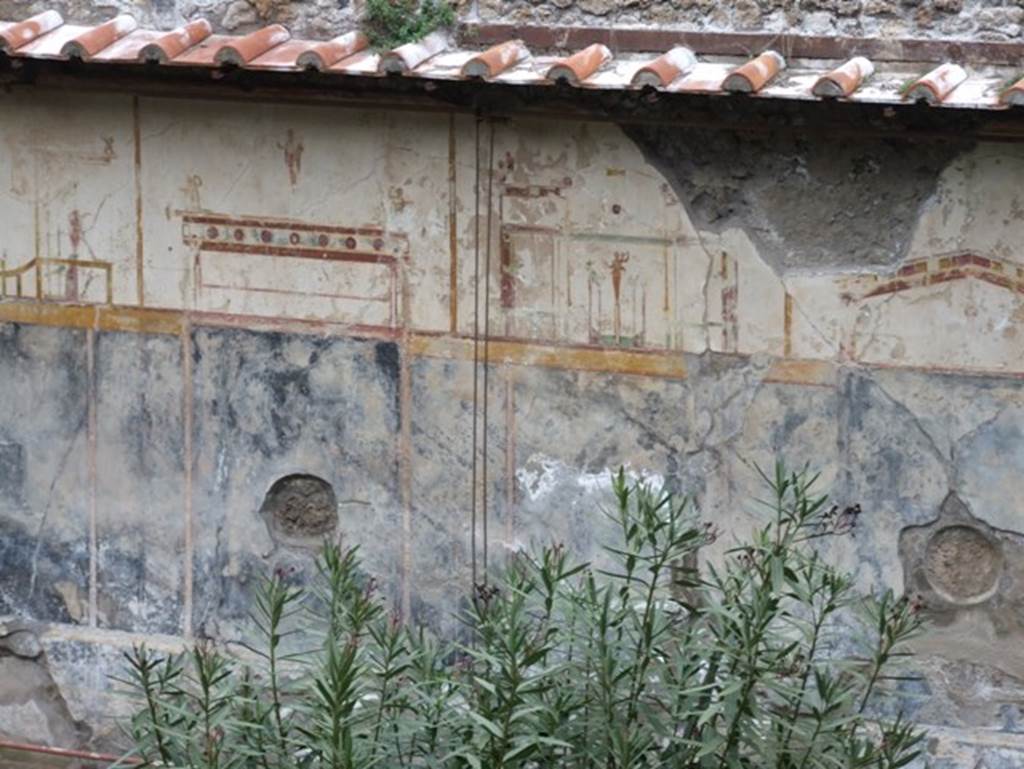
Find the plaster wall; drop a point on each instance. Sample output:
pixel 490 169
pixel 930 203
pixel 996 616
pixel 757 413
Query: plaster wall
pixel 203 298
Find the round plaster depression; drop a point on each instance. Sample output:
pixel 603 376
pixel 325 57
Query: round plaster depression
pixel 962 564
pixel 302 506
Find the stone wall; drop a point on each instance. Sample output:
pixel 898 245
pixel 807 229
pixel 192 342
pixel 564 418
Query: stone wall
pixel 313 18
pixel 228 329
pixel 969 19
pixel 974 19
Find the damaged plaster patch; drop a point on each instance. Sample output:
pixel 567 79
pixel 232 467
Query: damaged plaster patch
pixel 968 575
pixel 542 476
pixel 805 202
pixel 301 508
pixel 963 563
pixel 958 561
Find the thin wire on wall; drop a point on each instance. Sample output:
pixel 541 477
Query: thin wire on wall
pixel 487 329
pixel 476 351
pixel 481 415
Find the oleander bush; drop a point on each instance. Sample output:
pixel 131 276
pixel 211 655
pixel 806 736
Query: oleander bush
pixel 770 659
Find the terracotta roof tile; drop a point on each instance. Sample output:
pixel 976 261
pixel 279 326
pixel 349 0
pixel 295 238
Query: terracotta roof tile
pixel 283 57
pixel 1014 95
pixel 406 58
pixel 202 55
pixel 128 48
pixel 937 85
pixel 92 40
pixel 508 63
pixel 176 42
pixel 246 49
pixel 49 45
pixel 706 77
pixel 755 74
pixel 447 65
pixel 14 36
pixel 363 63
pixel 844 80
pixel 324 54
pixel 496 59
pixel 666 68
pixel 579 66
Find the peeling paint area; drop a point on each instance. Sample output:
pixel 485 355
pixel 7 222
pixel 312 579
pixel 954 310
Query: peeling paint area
pixel 539 477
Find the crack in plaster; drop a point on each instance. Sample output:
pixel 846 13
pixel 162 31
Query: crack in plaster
pixel 58 473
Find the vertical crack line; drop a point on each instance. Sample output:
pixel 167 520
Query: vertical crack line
pixel 91 445
pixel 487 333
pixel 186 407
pixel 44 518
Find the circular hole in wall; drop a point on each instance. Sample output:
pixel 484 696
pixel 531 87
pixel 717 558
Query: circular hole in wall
pixel 301 506
pixel 963 564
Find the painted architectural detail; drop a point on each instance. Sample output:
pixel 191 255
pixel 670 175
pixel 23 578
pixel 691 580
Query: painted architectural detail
pixel 292 269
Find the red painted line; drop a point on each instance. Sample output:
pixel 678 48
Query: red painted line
pixel 284 224
pixel 319 294
pixel 297 252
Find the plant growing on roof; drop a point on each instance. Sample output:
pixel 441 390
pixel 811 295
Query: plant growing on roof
pixel 769 660
pixel 391 23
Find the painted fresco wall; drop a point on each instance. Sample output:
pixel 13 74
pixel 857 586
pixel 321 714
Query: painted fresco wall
pixel 201 299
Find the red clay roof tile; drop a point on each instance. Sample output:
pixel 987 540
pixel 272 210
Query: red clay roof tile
pixel 127 48
pixel 202 55
pixel 1014 95
pixel 20 34
pixel 87 44
pixel 496 59
pixel 363 63
pixel 666 68
pixel 937 85
pixel 49 45
pixel 245 49
pixel 324 54
pixel 176 42
pixel 408 57
pixel 755 74
pixel 844 80
pixel 281 57
pixel 581 65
